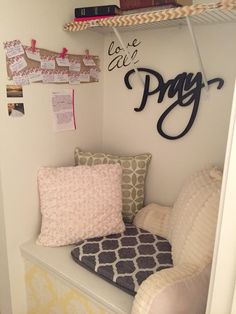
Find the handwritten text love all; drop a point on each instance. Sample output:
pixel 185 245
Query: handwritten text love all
pixel 118 56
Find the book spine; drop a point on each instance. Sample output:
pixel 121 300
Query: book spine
pixel 135 4
pixel 149 9
pixel 91 18
pixel 96 11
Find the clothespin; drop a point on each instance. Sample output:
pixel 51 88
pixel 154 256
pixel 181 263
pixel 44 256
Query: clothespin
pixel 86 54
pixel 63 53
pixel 33 44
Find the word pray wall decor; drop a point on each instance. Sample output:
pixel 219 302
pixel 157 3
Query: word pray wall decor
pixel 118 58
pixel 186 87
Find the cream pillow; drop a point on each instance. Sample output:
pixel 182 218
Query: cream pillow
pixel 133 177
pixel 79 202
pixel 193 218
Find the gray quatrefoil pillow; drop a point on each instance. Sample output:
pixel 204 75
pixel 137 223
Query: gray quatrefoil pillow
pixel 124 259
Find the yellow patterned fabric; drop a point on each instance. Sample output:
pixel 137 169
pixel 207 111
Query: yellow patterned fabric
pixel 151 17
pixel 46 294
pixel 134 169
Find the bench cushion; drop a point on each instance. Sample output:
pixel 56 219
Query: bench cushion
pixel 125 259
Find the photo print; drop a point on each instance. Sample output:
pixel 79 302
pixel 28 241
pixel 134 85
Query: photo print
pixel 14 91
pixel 16 109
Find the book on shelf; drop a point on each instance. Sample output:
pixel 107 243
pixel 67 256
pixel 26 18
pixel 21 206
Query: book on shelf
pixel 126 5
pixel 150 9
pixel 101 10
pixel 91 18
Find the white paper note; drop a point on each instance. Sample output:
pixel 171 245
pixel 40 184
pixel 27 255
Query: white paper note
pixel 48 63
pixel 84 77
pixel 13 48
pixel 35 75
pixel 33 55
pixel 61 76
pixel 21 78
pixel 75 65
pixel 63 110
pixel 48 76
pixel 89 62
pixel 63 62
pixel 74 78
pixel 17 64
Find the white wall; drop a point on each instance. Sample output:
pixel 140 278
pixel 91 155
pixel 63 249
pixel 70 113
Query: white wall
pixel 29 142
pixel 5 300
pixel 222 296
pixel 170 52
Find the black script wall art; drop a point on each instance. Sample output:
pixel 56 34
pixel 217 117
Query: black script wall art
pixel 118 57
pixel 185 88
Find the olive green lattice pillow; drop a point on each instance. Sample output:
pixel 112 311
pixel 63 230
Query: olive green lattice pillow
pixel 134 169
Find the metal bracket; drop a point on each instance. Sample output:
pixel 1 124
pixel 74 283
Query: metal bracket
pixel 197 52
pixel 128 54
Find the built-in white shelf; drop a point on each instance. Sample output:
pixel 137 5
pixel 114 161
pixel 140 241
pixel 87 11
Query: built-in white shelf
pixel 201 14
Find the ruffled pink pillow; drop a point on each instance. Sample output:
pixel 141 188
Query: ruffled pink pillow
pixel 79 202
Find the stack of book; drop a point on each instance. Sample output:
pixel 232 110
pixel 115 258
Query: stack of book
pixel 96 12
pixel 126 7
pixel 138 6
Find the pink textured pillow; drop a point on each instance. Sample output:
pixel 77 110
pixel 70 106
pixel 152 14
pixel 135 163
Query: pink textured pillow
pixel 79 202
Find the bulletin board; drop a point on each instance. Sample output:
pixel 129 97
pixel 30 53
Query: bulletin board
pixel 27 64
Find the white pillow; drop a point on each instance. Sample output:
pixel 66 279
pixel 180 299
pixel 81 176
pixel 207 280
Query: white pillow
pixel 79 202
pixel 194 217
